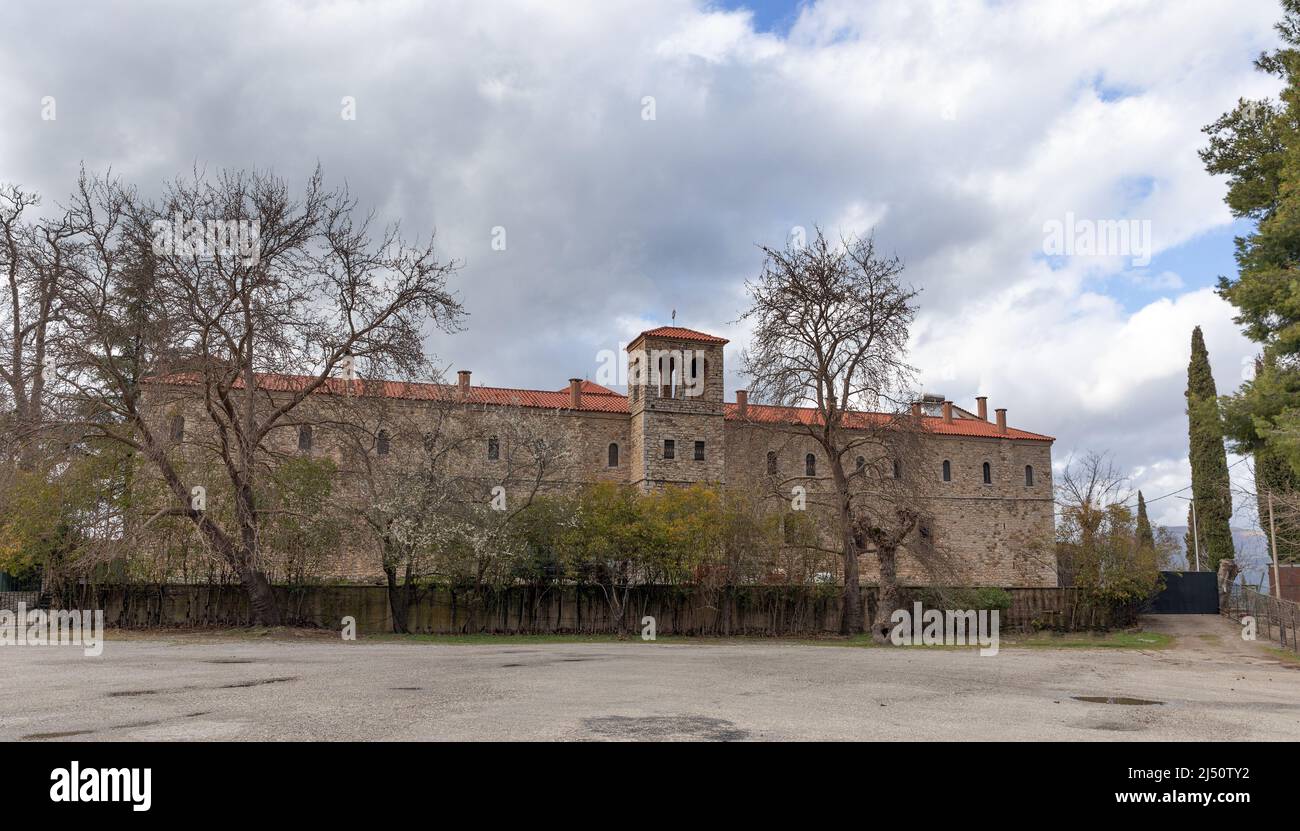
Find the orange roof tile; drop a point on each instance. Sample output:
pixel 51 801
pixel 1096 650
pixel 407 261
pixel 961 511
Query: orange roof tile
pixel 607 401
pixel 767 414
pixel 595 398
pixel 679 333
pixel 589 388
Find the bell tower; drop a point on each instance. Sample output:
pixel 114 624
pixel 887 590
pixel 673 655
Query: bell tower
pixel 675 388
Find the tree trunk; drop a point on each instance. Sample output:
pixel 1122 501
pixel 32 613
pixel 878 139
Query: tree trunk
pixel 616 610
pixel 887 600
pixel 397 601
pixel 261 599
pixel 851 619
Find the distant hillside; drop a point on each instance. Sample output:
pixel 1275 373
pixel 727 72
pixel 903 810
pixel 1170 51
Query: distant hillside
pixel 1252 551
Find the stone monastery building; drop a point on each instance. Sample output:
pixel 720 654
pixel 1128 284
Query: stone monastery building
pixel 987 487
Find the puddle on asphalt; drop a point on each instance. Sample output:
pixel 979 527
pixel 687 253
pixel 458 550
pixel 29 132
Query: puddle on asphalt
pixel 1101 699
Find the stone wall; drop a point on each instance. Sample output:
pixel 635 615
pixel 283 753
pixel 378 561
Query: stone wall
pixel 692 413
pixel 990 534
pixel 996 534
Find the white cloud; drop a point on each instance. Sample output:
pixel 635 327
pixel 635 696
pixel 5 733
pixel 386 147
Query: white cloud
pixel 956 129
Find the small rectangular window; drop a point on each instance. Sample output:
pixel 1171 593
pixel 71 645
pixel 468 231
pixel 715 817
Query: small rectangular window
pixel 699 451
pixel 494 449
pixel 670 449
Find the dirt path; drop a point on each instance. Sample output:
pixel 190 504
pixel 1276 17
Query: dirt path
pixel 1211 638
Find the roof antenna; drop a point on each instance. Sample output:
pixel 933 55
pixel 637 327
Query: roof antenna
pixel 674 315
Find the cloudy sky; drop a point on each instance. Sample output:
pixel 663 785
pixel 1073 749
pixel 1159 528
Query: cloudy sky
pixel 636 153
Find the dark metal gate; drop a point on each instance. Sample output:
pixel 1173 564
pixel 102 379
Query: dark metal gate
pixel 1187 593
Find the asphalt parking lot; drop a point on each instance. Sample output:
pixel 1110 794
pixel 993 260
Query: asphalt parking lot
pixel 1209 686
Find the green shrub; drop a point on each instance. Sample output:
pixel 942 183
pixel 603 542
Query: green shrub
pixel 991 598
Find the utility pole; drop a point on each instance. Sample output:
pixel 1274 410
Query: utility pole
pixel 1272 538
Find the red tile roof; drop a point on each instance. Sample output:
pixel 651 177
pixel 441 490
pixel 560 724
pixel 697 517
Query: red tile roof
pixel 767 414
pixel 589 388
pixel 595 398
pixel 600 399
pixel 678 333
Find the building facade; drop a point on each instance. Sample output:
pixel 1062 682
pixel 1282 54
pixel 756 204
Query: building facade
pixel 984 488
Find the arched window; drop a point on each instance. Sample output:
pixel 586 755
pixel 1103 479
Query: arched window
pixel 1029 476
pixel 988 474
pixel 665 371
pixel 494 449
pixel 304 438
pixel 613 455
pixel 810 465
pixel 771 463
pixel 898 469
pixel 178 428
pixel 947 470
pixel 861 464
pixel 381 443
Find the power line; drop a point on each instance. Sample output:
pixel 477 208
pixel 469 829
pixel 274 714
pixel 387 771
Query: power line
pixel 1180 490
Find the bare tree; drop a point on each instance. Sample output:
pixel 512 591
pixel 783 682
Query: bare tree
pixel 1099 549
pixel 830 333
pixel 441 474
pixel 217 293
pixel 33 257
pixel 1087 488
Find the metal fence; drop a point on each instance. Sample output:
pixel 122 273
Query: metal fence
pixel 1275 619
pixel 11 600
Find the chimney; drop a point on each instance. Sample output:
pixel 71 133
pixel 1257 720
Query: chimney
pixel 742 403
pixel 916 409
pixel 982 402
pixel 462 379
pixel 947 412
pixel 575 393
pixel 1002 419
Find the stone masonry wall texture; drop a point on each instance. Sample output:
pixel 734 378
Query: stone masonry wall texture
pixel 994 534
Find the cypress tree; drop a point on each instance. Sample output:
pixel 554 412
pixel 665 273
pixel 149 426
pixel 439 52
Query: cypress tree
pixel 1146 538
pixel 1210 485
